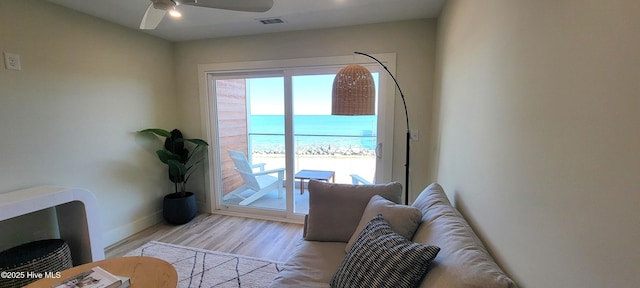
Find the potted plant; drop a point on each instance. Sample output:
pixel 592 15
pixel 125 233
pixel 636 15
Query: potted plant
pixel 179 207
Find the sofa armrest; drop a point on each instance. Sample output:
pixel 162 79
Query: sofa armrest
pixel 463 260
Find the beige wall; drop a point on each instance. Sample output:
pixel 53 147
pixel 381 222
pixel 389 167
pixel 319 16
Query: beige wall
pixel 538 135
pixel 69 117
pixel 413 41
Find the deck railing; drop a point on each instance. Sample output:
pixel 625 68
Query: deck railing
pixel 321 152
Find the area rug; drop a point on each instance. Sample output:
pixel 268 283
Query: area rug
pixel 205 268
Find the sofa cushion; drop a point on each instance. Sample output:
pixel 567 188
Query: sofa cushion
pixel 335 209
pixel 403 219
pixel 463 260
pixel 382 258
pixel 312 264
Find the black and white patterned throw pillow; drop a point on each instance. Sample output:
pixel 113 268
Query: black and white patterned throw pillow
pixel 382 258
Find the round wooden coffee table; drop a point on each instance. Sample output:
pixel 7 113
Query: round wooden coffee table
pixel 143 271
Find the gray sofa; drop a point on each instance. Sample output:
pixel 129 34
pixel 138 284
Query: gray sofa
pixel 336 214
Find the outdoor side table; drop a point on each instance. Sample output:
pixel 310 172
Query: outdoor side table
pixel 314 175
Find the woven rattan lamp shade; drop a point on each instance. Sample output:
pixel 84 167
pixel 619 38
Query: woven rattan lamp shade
pixel 353 92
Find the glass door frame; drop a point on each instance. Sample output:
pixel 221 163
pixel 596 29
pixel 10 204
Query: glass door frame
pixel 289 67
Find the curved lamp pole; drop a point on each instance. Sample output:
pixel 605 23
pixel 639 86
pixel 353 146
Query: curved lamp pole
pixel 406 115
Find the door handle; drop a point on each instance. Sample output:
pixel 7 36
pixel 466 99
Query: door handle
pixel 379 151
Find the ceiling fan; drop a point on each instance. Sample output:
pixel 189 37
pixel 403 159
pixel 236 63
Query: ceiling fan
pixel 158 8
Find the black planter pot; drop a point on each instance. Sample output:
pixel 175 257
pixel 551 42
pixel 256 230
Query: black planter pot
pixel 179 210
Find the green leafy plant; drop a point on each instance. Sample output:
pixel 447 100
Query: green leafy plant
pixel 176 155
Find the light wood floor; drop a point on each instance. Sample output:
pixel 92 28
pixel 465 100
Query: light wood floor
pixel 244 236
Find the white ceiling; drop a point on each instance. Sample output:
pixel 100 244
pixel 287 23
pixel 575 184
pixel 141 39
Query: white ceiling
pixel 202 23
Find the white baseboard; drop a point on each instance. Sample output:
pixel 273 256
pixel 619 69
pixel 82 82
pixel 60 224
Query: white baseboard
pixel 114 235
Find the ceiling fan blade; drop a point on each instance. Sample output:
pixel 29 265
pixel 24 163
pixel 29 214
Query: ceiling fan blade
pixel 152 18
pixel 236 5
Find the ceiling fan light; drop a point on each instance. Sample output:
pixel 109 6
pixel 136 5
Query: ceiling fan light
pixel 175 13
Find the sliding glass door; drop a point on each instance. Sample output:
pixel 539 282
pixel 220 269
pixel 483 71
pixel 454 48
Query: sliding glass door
pixel 250 126
pixel 330 147
pixel 273 131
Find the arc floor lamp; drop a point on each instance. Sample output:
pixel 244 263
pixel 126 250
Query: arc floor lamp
pixel 354 94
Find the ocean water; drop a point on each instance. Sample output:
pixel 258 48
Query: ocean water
pixel 314 131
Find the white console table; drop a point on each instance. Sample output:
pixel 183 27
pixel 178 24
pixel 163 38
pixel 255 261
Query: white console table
pixel 77 215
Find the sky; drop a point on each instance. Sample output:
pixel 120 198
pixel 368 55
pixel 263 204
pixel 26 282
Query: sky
pixel 311 94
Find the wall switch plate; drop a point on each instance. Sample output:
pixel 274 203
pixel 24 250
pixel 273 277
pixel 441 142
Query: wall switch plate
pixel 415 136
pixel 12 61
